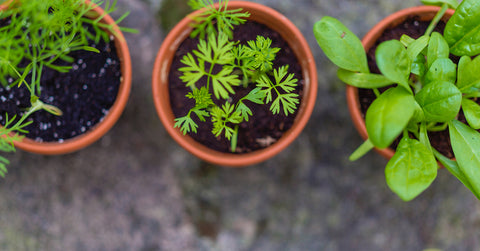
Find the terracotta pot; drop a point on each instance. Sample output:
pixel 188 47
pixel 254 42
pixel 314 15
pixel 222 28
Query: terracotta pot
pixel 426 13
pixel 296 41
pixel 96 132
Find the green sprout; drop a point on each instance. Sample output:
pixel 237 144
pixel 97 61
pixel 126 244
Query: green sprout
pixel 426 92
pixel 240 65
pixel 36 35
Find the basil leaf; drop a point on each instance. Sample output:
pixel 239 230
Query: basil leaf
pixel 363 80
pixel 453 168
pixel 453 4
pixel 468 70
pixel 418 66
pixel 414 51
pixel 411 170
pixel 340 45
pixel 437 48
pixel 417 46
pixel 388 115
pixel 472 112
pixel 462 31
pixel 393 62
pixel 418 114
pixel 466 147
pixel 440 101
pixel 406 40
pixel 442 69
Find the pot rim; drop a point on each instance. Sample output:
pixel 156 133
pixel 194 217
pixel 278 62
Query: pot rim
pixel 259 13
pixel 102 127
pixel 425 12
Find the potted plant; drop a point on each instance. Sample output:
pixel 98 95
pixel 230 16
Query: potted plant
pixel 424 86
pixel 225 80
pixel 52 52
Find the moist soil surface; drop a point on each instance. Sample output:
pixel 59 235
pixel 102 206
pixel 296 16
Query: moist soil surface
pixel 263 128
pixel 414 28
pixel 84 94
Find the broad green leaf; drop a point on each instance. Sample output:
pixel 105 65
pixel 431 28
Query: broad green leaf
pixel 416 47
pixel 340 45
pixel 462 71
pixel 418 115
pixel 437 48
pixel 462 31
pixel 363 80
pixel 452 167
pixel 468 74
pixel 453 4
pixel 466 148
pixel 418 66
pixel 406 40
pixel 472 112
pixel 411 170
pixel 440 101
pixel 442 69
pixel 393 62
pixel 388 115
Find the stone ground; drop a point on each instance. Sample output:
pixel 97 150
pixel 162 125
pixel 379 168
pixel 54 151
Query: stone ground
pixel 136 189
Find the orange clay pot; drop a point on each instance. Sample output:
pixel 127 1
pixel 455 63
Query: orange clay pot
pixel 96 132
pixel 426 13
pixel 274 20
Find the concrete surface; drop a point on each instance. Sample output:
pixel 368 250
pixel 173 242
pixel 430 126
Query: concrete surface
pixel 136 189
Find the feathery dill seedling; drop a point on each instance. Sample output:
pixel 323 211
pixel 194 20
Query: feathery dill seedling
pixel 39 34
pixel 226 65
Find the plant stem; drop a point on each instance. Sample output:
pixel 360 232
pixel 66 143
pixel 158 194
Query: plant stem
pixel 233 141
pixel 433 127
pixel 472 95
pixel 436 19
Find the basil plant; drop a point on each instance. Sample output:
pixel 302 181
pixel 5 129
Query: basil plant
pixel 427 91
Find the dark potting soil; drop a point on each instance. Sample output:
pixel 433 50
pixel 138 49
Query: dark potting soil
pixel 263 128
pixel 84 94
pixel 414 28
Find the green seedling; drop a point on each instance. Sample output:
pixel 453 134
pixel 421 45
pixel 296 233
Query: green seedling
pixel 427 91
pixel 226 65
pixel 39 34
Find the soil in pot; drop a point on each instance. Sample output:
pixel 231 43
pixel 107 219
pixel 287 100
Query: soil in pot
pixel 415 28
pixel 263 128
pixel 84 94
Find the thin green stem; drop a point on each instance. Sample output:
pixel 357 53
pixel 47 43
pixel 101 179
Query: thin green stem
pixel 436 19
pixel 434 127
pixel 472 95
